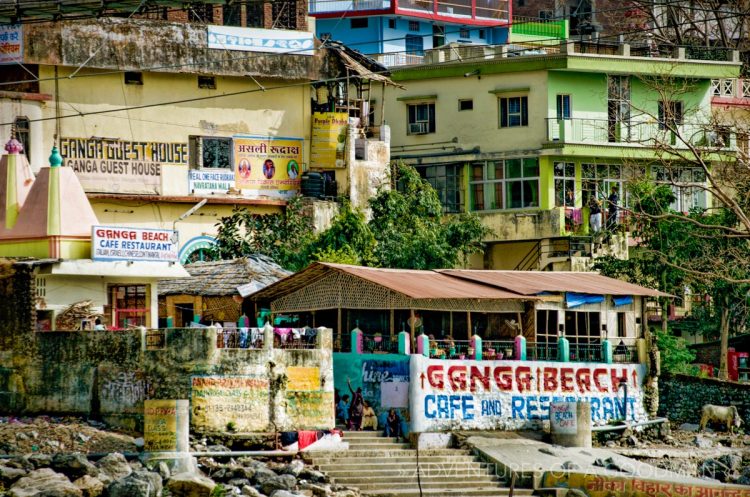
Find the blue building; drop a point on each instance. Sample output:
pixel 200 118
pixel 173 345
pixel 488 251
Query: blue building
pixel 401 30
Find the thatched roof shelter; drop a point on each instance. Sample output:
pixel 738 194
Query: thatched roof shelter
pixel 225 278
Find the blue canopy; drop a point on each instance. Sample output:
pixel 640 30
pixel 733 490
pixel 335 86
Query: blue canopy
pixel 622 299
pixel 577 299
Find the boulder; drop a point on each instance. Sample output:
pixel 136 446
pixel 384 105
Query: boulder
pixel 251 491
pixel 9 475
pixel 90 486
pixel 163 469
pixel 40 460
pixel 44 483
pixel 113 467
pixel 313 475
pixel 689 427
pixel 714 469
pixel 136 484
pixel 262 474
pixel 190 485
pixel 702 442
pixel 282 482
pixel 731 461
pixel 283 493
pixel 73 466
pixel 294 468
pixel 239 482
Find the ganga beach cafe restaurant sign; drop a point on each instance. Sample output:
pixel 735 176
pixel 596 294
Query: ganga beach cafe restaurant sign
pixel 112 243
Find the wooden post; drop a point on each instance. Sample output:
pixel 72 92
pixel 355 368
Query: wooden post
pixel 451 323
pixel 313 322
pixel 393 322
pixel 413 331
pixel 339 325
pixel 468 324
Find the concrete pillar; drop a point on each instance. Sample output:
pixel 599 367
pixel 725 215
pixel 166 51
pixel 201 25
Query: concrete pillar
pixel 607 352
pixel 268 336
pixel 476 344
pixel 570 423
pixel 324 338
pixel 356 341
pixel 519 349
pixel 423 345
pixel 196 318
pixel 624 50
pixel 642 348
pixel 563 349
pixel 404 343
pixel 167 434
pixel 679 53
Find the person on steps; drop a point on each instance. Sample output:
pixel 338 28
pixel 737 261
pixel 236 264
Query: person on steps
pixel 356 409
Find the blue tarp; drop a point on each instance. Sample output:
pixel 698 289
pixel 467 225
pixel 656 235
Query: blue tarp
pixel 577 299
pixel 623 300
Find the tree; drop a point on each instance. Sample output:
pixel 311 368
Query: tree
pixel 411 230
pixel 407 230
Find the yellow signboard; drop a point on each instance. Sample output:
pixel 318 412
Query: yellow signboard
pixel 267 166
pixel 328 145
pixel 303 379
pixel 160 425
pixel 218 400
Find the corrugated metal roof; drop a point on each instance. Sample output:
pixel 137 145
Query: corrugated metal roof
pixel 536 282
pixel 418 284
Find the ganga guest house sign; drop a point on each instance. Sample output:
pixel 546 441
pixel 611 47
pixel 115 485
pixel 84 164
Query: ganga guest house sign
pixel 118 166
pixel 110 243
pixel 447 394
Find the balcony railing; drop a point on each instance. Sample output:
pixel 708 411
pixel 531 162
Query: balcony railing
pixel 398 59
pixel 326 6
pixel 586 352
pixel 601 131
pixel 534 26
pixel 730 88
pixel 379 344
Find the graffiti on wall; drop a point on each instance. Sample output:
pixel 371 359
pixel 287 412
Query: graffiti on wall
pixel 310 410
pixel 122 391
pixel 217 401
pixel 384 379
pixel 509 394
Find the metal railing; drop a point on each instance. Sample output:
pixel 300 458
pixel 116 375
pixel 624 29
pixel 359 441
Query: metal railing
pixel 646 134
pixel 450 349
pixel 498 349
pixel 585 352
pixel 324 6
pixel 379 344
pixel 541 351
pixel 535 26
pixel 398 59
pixel 239 338
pixel 625 354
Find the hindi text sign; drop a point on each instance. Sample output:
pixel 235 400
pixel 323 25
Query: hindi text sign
pixel 268 166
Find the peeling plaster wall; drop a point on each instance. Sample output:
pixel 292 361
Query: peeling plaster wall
pixel 109 375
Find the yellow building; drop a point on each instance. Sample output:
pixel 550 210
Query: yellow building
pixel 155 117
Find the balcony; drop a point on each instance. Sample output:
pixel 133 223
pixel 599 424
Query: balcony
pixel 398 59
pixel 730 91
pixel 480 12
pixel 328 6
pixel 645 134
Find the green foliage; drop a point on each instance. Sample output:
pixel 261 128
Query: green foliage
pixel 411 230
pixel 231 426
pixel 407 230
pixel 675 356
pixel 218 491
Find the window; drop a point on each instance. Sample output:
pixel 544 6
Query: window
pixel 130 305
pixel 464 33
pixel 565 183
pixel 563 107
pixel 446 179
pixel 201 12
pixel 284 14
pixel 392 23
pixel 421 119
pixel 514 112
pixel 618 108
pixel 521 3
pixel 505 184
pixel 546 14
pixel 254 14
pixel 210 152
pixel 133 78
pixel 438 36
pixel 359 22
pixel 414 26
pixel 207 82
pixel 231 14
pixel 598 179
pixel 688 186
pixel 670 114
pixel 23 134
pixel 583 328
pixel 467 104
pixel 482 34
pixel 414 44
pixel 622 325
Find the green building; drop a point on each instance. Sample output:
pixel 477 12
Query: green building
pixel 525 137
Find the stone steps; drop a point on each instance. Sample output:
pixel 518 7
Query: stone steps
pixel 383 467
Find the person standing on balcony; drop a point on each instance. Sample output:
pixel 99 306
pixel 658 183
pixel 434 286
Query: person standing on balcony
pixel 595 214
pixel 612 206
